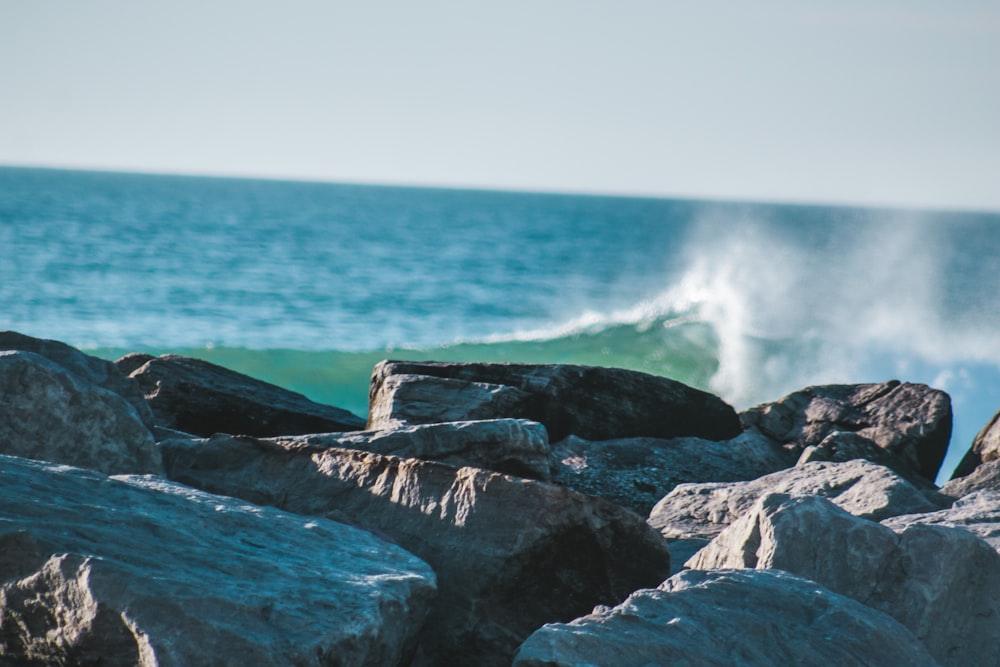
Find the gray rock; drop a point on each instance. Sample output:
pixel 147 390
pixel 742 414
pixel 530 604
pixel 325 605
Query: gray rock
pixel 985 448
pixel 912 421
pixel 140 571
pixel 587 401
pixel 49 413
pixel 859 487
pixel 941 583
pixel 202 398
pixel 637 472
pixel 983 476
pixel 841 446
pixel 510 554
pixel 728 617
pixel 93 370
pixel 977 512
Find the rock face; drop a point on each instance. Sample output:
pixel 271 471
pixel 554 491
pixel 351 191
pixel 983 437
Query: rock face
pixel 586 401
pixel 510 554
pixel 198 397
pixel 984 476
pixel 637 472
pixel 93 370
pixel 912 421
pixel 859 487
pixel 977 512
pixel 941 583
pixel 728 617
pixel 139 571
pixel 49 413
pixel 842 446
pixel 985 448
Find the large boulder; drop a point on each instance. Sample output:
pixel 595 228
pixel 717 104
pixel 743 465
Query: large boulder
pixel 510 553
pixel 88 368
pixel 983 476
pixel 859 487
pixel 49 413
pixel 941 583
pixel 587 401
pixel 140 571
pixel 912 421
pixel 202 398
pixel 977 512
pixel 728 617
pixel 637 472
pixel 985 448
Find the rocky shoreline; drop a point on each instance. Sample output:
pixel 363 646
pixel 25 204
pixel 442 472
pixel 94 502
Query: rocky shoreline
pixel 167 511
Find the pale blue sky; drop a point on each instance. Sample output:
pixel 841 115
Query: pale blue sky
pixel 894 102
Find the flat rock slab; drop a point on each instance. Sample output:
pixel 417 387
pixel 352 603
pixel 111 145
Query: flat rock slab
pixel 141 571
pixel 202 398
pixel 510 553
pixel 859 487
pixel 942 583
pixel 977 512
pixel 912 421
pixel 638 472
pixel 728 617
pixel 588 401
pixel 52 414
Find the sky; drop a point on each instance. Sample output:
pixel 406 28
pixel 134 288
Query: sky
pixel 862 102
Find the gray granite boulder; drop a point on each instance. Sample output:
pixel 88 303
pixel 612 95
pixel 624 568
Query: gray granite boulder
pixel 49 413
pixel 587 401
pixel 985 448
pixel 942 583
pixel 912 421
pixel 764 618
pixel 977 512
pixel 510 553
pixel 140 571
pixel 202 398
pixel 983 476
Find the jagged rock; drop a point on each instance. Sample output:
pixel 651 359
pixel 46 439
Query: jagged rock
pixel 985 448
pixel 941 583
pixel 510 553
pixel 49 413
pixel 841 446
pixel 140 571
pixel 977 512
pixel 587 401
pixel 637 472
pixel 513 446
pixel 859 487
pixel 94 370
pixel 202 398
pixel 912 421
pixel 728 617
pixel 983 476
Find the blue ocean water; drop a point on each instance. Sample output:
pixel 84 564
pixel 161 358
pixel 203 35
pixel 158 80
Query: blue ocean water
pixel 309 284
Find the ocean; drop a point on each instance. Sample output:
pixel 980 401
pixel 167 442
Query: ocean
pixel 308 285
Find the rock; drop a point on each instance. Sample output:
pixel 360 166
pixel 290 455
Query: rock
pixel 985 448
pixel 510 553
pixel 941 583
pixel 637 472
pixel 983 476
pixel 49 413
pixel 977 512
pixel 841 446
pixel 587 401
pixel 202 398
pixel 859 487
pixel 139 571
pixel 513 446
pixel 728 617
pixel 88 368
pixel 912 421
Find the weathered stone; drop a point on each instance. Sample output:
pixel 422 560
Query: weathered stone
pixel 587 401
pixel 912 421
pixel 140 571
pixel 510 553
pixel 49 413
pixel 985 448
pixel 983 476
pixel 941 583
pixel 202 398
pixel 728 617
pixel 977 512
pixel 637 472
pixel 841 446
pixel 859 487
pixel 94 370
